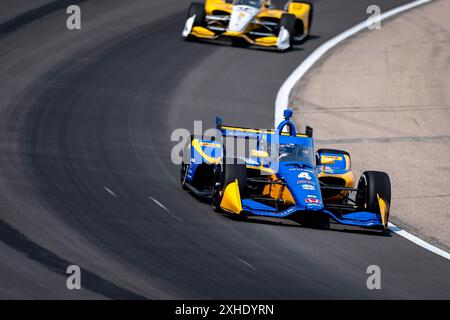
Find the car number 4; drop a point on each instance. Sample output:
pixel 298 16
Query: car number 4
pixel 304 175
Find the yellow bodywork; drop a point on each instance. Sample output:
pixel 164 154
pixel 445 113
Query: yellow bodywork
pixel 348 177
pixel 276 191
pixel 270 13
pixel 302 11
pixel 217 5
pixel 197 145
pixel 326 158
pixel 201 32
pixel 384 211
pixel 231 200
pixel 267 41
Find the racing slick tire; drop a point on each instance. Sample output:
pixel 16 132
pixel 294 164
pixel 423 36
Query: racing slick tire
pixel 224 175
pixel 370 184
pixel 288 22
pixel 197 9
pixel 300 35
pixel 183 174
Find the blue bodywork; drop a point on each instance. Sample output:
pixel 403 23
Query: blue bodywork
pixel 299 175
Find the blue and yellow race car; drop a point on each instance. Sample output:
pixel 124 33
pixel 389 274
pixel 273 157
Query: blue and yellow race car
pixel 275 173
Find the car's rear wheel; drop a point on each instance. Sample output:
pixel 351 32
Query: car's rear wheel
pixel 371 184
pixel 183 174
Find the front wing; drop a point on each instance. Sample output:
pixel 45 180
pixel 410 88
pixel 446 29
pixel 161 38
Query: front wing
pixel 281 42
pixel 232 202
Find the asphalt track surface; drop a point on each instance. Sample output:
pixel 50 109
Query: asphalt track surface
pixel 86 149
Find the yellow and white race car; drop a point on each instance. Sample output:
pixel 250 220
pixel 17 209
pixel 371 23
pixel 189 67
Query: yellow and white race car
pixel 250 22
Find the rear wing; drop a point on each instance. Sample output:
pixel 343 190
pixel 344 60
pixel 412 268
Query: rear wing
pixel 228 130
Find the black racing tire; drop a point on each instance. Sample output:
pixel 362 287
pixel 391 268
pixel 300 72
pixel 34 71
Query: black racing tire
pixel 234 170
pixel 370 184
pixel 223 176
pixel 288 21
pixel 299 26
pixel 183 173
pixel 216 197
pixel 197 9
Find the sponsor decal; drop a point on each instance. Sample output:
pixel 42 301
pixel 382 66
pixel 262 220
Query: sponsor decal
pixel 308 187
pixel 305 170
pixel 312 201
pixel 210 144
pixel 303 181
pixel 296 6
pixel 331 174
pixel 337 158
pixel 305 175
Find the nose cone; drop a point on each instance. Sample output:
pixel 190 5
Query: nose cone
pixel 305 188
pixel 241 18
pixel 313 203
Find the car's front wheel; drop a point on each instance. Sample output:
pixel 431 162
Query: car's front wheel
pixel 371 185
pixel 216 197
pixel 288 22
pixel 223 176
pixel 198 10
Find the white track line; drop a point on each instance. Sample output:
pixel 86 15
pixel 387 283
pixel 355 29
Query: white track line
pixel 282 101
pixel 243 262
pixel 418 241
pixel 164 207
pixel 110 191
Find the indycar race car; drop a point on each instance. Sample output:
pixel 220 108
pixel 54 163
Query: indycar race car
pixel 279 176
pixel 252 22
